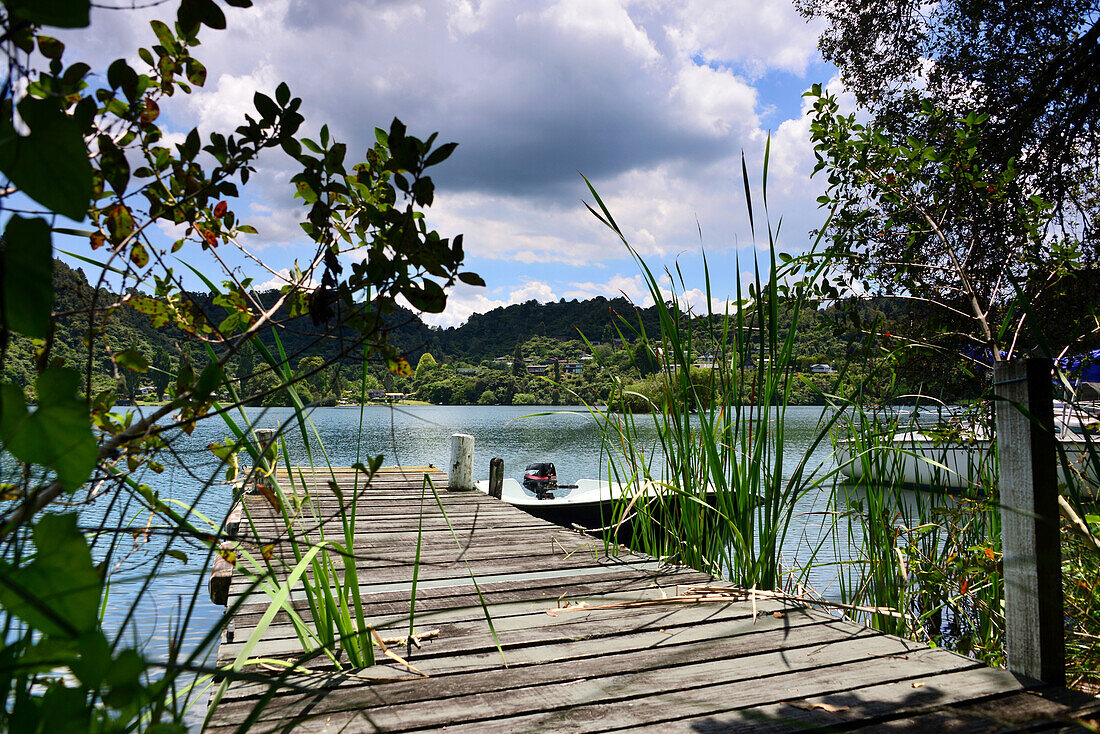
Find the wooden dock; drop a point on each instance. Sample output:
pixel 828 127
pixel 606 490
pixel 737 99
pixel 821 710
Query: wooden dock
pixel 589 643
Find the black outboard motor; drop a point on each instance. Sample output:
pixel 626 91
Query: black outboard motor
pixel 541 478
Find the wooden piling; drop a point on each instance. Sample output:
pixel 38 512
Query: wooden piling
pixel 496 477
pixel 462 462
pixel 221 572
pixel 265 451
pixel 1034 634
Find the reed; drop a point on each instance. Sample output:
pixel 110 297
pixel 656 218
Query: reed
pixel 718 488
pixel 931 556
pixel 725 490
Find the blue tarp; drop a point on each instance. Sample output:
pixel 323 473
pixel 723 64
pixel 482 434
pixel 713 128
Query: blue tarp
pixel 1082 367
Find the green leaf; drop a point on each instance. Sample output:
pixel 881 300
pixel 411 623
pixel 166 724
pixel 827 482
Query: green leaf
pixel 50 165
pixel 48 654
pixel 190 147
pixel 429 298
pixel 113 164
pixel 208 381
pixel 440 154
pixel 27 268
pixel 282 94
pixel 58 434
pixel 65 711
pixel 58 13
pixel 124 678
pixel 120 223
pixel 59 591
pixel 164 34
pixel 265 106
pixel 193 12
pixel 51 48
pixel 471 279
pixel 132 359
pixel 95 659
pixel 196 72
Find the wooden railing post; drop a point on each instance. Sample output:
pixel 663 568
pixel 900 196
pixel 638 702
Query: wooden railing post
pixel 462 462
pixel 496 477
pixel 1034 623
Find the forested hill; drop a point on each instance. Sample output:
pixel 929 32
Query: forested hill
pixel 496 333
pixel 484 336
pixel 822 336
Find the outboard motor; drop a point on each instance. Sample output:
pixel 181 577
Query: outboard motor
pixel 541 478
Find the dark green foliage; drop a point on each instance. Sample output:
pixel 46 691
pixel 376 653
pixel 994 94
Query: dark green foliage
pixel 1030 66
pixel 25 265
pixel 518 367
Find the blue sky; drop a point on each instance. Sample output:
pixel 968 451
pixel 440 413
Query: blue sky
pixel 653 101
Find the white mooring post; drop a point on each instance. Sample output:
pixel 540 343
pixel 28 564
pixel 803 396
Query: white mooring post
pixel 1034 623
pixel 462 462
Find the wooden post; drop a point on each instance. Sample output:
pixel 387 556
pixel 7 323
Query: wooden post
pixel 1034 623
pixel 462 462
pixel 221 572
pixel 496 477
pixel 265 448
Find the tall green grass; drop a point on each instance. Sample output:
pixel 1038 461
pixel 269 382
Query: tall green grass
pixel 930 555
pixel 718 488
pixel 724 495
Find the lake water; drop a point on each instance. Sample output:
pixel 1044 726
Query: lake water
pixel 410 436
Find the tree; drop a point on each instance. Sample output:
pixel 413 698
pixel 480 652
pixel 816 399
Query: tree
pixel 246 365
pixel 311 372
pixel 644 359
pixel 519 367
pixel 91 148
pixel 925 219
pixel 161 371
pixel 426 364
pixel 1031 67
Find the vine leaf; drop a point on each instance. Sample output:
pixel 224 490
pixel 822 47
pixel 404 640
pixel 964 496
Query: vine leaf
pixel 50 165
pixel 27 267
pixel 58 13
pixel 59 591
pixel 58 434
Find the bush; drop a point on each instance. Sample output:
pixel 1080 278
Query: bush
pixel 487 398
pixel 524 398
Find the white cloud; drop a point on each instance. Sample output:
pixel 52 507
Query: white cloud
pixel 756 34
pixel 223 104
pixel 463 300
pixel 653 101
pixel 282 277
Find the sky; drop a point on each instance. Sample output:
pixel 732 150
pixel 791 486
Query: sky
pixel 655 102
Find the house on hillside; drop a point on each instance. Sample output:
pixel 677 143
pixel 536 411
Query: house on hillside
pixel 572 368
pixel 538 369
pixel 821 369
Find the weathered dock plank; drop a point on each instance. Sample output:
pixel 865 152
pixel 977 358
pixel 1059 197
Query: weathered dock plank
pixel 589 642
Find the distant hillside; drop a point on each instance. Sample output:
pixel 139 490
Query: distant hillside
pixel 496 333
pixel 550 330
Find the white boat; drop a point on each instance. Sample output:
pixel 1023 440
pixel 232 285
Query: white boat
pixel 920 460
pixel 590 503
